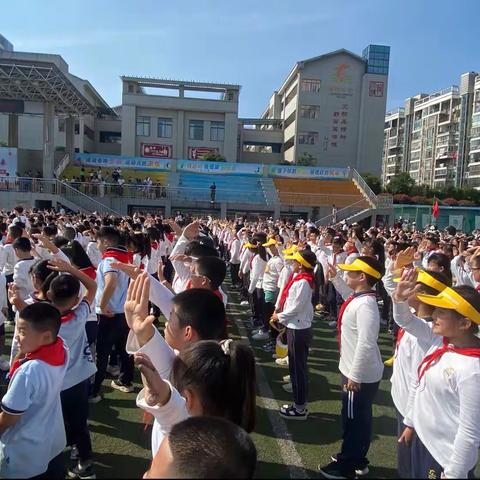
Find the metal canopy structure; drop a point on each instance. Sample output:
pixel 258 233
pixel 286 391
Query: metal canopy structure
pixel 39 80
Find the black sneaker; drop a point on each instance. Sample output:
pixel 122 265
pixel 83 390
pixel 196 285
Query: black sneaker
pixel 84 472
pixel 360 471
pixel 334 470
pixel 291 413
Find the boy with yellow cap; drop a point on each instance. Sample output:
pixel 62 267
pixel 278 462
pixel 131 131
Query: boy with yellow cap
pixel 361 365
pixel 443 417
pixel 295 311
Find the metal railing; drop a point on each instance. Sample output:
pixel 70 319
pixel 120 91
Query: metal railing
pixel 319 199
pixel 62 165
pixel 356 177
pixel 53 186
pixel 342 214
pixel 126 190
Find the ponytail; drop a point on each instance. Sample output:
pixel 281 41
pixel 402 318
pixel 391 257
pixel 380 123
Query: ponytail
pixel 223 378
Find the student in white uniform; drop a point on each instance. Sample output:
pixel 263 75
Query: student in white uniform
pixel 295 312
pixel 443 415
pixel 361 365
pixel 193 315
pixel 409 352
pixel 32 434
pixel 21 271
pixel 4 364
pixel 9 260
pixel 64 294
pixel 234 248
pixel 255 290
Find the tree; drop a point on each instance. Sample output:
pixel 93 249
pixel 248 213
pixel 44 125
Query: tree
pixel 373 182
pixel 213 157
pixel 306 160
pixel 402 183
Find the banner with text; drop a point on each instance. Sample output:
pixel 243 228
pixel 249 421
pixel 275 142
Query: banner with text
pixel 199 166
pixel 117 161
pixel 156 150
pixel 8 161
pixel 308 172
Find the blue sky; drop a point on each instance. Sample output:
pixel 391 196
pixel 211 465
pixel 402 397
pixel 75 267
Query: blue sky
pixel 252 42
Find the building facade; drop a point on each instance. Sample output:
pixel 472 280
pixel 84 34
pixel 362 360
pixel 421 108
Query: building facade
pixel 332 107
pixel 436 137
pixel 329 111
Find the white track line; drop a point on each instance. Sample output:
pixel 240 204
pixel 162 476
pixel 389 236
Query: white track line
pixel 287 449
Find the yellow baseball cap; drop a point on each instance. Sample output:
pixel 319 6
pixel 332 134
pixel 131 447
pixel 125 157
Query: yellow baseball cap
pixel 290 250
pixel 451 300
pixel 296 256
pixel 428 280
pixel 249 245
pixel 270 242
pixel 360 266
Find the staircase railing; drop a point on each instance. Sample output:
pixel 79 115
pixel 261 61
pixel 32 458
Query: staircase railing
pixel 82 200
pixel 364 186
pixel 62 165
pixel 342 214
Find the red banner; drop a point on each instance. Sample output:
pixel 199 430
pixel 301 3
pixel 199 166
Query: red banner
pixel 156 150
pixel 196 153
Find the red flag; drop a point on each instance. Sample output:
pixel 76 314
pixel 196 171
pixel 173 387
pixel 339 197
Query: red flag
pixel 435 209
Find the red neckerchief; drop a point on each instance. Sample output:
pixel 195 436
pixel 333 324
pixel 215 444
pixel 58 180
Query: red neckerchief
pixel 154 245
pixel 431 359
pixel 90 271
pixel 295 278
pixel 8 242
pixel 53 354
pixel 352 250
pixel 342 311
pixel 67 316
pixel 118 253
pixel 400 335
pixel 170 236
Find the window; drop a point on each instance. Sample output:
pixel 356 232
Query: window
pixel 310 111
pixel 376 89
pixel 196 130
pixel 217 131
pixel 110 137
pixel 309 85
pixel 143 126
pixel 61 124
pixel 165 127
pixel 308 138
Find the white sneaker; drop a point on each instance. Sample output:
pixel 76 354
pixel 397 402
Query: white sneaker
pixel 332 324
pixel 113 370
pixel 261 335
pixel 286 379
pixel 288 387
pixel 283 362
pixel 244 303
pixel 4 365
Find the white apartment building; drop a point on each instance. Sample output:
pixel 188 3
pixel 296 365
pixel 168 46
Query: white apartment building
pixel 433 137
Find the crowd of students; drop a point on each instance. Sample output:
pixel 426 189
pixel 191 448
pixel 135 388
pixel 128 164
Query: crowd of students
pixel 86 296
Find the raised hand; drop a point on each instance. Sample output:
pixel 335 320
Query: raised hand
pixel 136 309
pixel 407 285
pixel 131 270
pixel 59 265
pixel 157 391
pixel 332 271
pixel 404 258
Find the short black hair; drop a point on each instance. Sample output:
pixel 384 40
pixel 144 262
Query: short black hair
pixel 220 448
pixel 19 209
pixel 63 289
pixel 77 255
pixel 50 230
pixel 23 244
pixel 376 265
pixel 441 260
pixel 203 311
pixel 309 256
pixel 111 234
pixel 70 233
pixel 214 268
pixel 42 316
pixel 15 231
pixel 198 250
